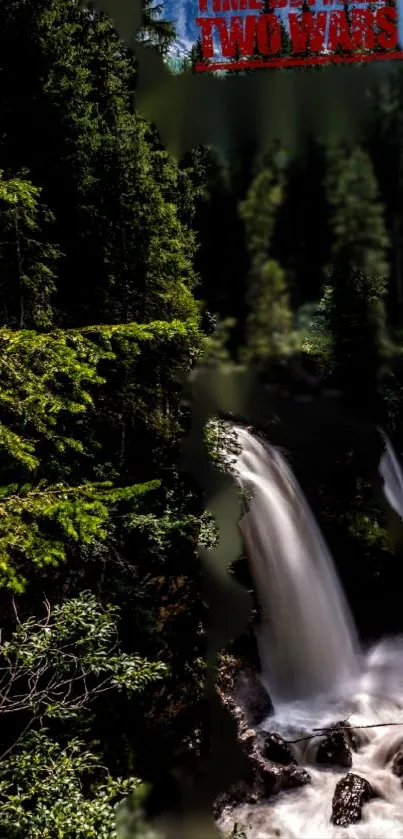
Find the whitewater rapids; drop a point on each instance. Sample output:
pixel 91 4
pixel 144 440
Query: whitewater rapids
pixel 305 813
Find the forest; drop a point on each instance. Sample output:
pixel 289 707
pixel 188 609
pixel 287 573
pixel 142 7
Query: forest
pixel 122 269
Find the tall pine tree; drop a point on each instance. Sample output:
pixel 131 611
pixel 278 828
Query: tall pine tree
pixel 358 280
pixel 270 319
pixel 102 174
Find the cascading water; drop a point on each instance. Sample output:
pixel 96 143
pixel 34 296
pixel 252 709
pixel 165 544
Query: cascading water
pixel 307 640
pixel 391 473
pixel 310 658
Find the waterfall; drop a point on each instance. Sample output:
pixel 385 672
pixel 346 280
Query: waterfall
pixel 391 473
pixel 307 639
pixel 311 661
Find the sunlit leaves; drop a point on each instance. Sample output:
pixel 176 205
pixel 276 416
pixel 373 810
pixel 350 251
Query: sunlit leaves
pixel 50 791
pixel 45 382
pixel 57 665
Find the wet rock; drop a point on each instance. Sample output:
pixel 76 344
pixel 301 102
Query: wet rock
pixel 262 774
pixel 274 748
pixel 349 733
pixel 351 793
pixel 247 739
pixel 337 746
pixel 294 776
pixel 263 777
pixel 270 765
pixel 250 694
pixel 239 793
pixel 266 779
pixel 269 777
pixel 335 749
pixel 397 765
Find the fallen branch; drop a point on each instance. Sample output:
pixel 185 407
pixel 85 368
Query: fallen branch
pixel 332 729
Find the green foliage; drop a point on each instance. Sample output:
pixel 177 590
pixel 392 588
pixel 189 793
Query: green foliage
pixel 98 335
pixel 94 512
pixel 221 443
pixel 37 526
pixel 56 666
pixel 368 531
pixel 270 319
pixel 216 352
pixel 49 380
pixel 317 340
pixel 156 31
pixel 195 56
pixel 43 378
pixel 51 791
pixel 357 216
pixel 127 255
pixel 27 264
pixel 258 210
pixel 355 306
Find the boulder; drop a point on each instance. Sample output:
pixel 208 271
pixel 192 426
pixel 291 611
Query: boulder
pixel 264 780
pixel 263 777
pixel 247 741
pixel 349 733
pixel 273 747
pixel 351 793
pixel 252 696
pixel 397 765
pixel 239 793
pixel 335 749
pixel 270 765
pixel 294 776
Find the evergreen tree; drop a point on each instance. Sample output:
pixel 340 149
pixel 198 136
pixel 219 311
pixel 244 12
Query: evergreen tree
pixel 358 280
pixel 109 249
pixel 357 220
pixel 156 31
pixel 101 175
pixel 196 55
pixel 27 264
pixel 270 319
pixel 90 415
pixel 286 46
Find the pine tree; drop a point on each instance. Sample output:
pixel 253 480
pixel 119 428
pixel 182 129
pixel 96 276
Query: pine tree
pixel 357 215
pixel 90 415
pixel 270 319
pixel 286 46
pixel 196 55
pixel 101 176
pixel 156 31
pixel 358 281
pixel 27 264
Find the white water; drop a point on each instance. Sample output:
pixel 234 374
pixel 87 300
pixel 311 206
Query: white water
pixel 307 640
pixel 311 662
pixel 391 473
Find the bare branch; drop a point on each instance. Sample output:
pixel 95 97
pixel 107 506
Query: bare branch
pixel 332 729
